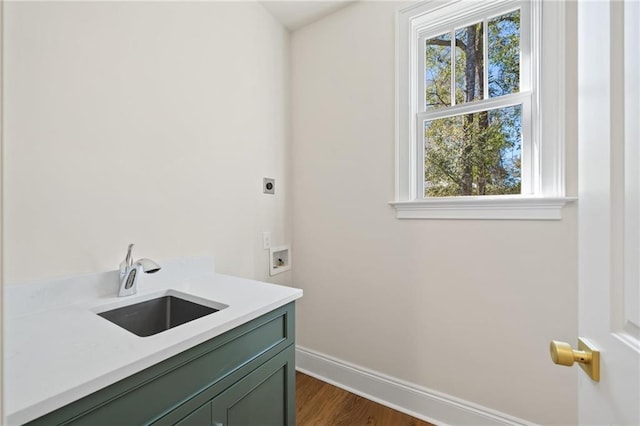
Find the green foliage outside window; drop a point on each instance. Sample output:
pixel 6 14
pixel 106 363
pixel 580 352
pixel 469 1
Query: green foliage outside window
pixel 477 153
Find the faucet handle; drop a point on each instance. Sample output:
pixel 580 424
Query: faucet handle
pixel 129 260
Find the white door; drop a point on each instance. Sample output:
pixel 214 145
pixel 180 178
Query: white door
pixel 609 207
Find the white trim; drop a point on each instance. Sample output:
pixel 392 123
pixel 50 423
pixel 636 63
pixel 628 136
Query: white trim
pixel 503 207
pixel 549 32
pixel 417 401
pixel 543 186
pixel 475 106
pixel 442 15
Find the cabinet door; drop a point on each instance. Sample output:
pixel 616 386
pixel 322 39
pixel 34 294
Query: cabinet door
pixel 200 417
pixel 264 397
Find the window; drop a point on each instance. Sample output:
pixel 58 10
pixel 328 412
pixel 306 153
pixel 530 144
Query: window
pixel 470 140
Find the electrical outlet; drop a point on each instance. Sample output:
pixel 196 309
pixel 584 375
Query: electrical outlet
pixel 269 186
pixel 266 240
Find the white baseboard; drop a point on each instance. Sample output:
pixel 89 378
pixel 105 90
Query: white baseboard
pixel 426 404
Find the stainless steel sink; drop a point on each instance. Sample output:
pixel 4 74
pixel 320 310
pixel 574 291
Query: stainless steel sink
pixel 156 315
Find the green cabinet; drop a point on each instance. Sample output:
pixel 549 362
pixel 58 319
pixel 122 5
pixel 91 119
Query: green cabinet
pixel 200 417
pixel 245 376
pixel 263 397
pixel 260 398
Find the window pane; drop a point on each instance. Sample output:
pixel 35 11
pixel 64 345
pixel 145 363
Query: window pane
pixel 437 77
pixel 469 63
pixel 504 54
pixel 473 154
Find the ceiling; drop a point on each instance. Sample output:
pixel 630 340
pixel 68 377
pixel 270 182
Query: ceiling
pixel 294 14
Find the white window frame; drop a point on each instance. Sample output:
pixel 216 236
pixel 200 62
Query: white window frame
pixel 543 195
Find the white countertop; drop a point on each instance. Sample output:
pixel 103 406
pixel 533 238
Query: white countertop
pixel 57 350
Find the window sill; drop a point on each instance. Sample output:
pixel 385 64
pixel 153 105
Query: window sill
pixel 486 207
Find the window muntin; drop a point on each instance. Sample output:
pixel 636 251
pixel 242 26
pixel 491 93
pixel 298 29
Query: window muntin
pixel 473 145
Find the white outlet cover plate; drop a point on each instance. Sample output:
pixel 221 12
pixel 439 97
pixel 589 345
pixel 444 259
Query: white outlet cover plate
pixel 266 240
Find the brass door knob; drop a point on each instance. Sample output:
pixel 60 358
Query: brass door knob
pixel 587 356
pixel 563 354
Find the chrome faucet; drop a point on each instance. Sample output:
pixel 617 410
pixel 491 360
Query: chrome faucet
pixel 130 271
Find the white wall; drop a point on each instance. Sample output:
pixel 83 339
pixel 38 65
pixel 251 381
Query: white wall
pixel 462 307
pixel 154 123
pixel 148 122
pixel 1 210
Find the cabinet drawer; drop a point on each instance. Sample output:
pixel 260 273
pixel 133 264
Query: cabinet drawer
pixel 153 392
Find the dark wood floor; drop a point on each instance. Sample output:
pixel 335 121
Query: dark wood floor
pixel 321 404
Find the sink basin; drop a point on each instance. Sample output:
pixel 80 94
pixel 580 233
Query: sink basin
pixel 156 315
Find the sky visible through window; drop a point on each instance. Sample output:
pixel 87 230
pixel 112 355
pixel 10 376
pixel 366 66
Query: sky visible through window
pixel 479 153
